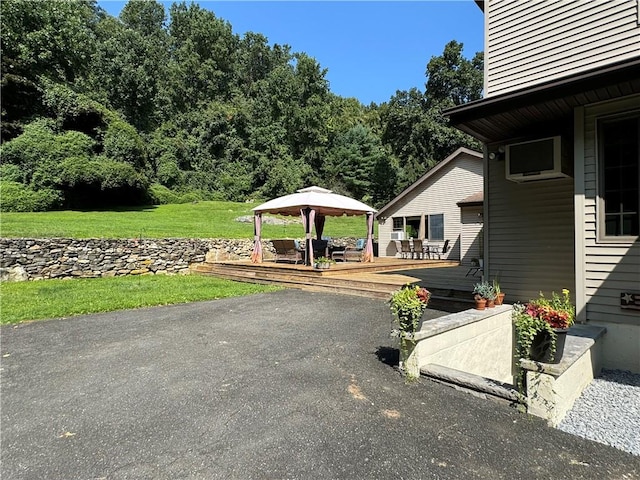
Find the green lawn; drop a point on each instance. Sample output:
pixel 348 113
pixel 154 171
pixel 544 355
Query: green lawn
pixel 189 220
pixel 63 298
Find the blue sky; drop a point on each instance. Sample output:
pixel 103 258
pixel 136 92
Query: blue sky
pixel 371 49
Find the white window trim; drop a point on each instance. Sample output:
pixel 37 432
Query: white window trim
pixel 428 226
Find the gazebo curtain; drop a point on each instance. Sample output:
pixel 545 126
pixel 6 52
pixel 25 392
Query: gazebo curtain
pixel 308 219
pixel 319 224
pixel 256 255
pixel 368 249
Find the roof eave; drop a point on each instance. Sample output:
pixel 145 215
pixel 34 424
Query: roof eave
pixel 474 117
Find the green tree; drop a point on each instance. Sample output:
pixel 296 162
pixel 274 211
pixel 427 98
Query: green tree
pixel 40 39
pixel 203 56
pixel 452 79
pixel 352 162
pixel 129 66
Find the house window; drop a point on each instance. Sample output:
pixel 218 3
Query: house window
pixel 398 224
pixel 435 227
pixel 619 151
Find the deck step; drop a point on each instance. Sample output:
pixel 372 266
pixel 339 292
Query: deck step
pixel 377 280
pixel 351 285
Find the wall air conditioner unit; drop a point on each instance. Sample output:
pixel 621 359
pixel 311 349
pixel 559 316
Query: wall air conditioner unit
pixel 397 235
pixel 540 159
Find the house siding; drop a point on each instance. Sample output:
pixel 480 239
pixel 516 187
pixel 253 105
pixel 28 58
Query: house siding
pixel 438 194
pixel 471 236
pixel 527 43
pixel 530 231
pixel 609 268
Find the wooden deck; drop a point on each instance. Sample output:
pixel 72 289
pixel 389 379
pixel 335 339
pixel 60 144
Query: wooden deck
pixel 378 279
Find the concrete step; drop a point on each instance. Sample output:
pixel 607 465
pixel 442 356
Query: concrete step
pixel 472 383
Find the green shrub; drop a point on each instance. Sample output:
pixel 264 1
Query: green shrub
pixel 120 175
pixel 73 110
pixel 161 195
pixel 72 144
pixel 122 143
pixel 168 172
pixel 17 197
pixel 78 170
pixel 11 173
pixel 32 145
pixel 190 197
pixel 39 149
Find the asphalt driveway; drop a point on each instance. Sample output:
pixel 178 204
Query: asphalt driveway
pixel 280 385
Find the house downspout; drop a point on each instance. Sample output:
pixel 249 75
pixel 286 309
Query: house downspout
pixel 485 211
pixel 578 214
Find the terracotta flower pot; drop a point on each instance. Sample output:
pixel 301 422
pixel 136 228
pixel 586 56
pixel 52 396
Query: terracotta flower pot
pixel 491 303
pixel 499 298
pixel 481 304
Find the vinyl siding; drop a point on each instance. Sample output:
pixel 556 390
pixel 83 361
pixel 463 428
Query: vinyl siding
pixel 609 268
pixel 531 42
pixel 530 234
pixel 471 237
pixel 438 194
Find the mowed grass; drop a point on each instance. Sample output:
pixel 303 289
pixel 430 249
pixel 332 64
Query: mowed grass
pixel 22 301
pixel 189 220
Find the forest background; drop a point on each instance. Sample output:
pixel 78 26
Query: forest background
pixel 159 107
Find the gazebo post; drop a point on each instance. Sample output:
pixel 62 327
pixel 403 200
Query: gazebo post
pixel 256 255
pixel 307 234
pixel 368 250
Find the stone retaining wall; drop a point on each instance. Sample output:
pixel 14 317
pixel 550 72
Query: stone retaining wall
pixel 37 259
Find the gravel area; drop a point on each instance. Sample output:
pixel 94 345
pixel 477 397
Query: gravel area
pixel 608 411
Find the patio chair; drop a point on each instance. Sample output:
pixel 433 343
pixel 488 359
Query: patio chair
pixel 419 249
pixel 405 249
pixel 476 267
pixel 286 249
pixel 320 248
pixel 350 253
pixel 439 250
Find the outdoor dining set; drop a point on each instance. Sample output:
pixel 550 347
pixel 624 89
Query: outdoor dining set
pixel 294 250
pixel 421 249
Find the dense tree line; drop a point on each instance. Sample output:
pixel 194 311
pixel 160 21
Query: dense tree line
pixel 157 106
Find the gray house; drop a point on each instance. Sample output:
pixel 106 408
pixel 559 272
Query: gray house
pixel 444 204
pixel 560 124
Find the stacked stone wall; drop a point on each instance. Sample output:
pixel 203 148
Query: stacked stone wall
pixel 37 259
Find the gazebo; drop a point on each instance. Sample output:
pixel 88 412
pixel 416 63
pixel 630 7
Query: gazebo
pixel 313 204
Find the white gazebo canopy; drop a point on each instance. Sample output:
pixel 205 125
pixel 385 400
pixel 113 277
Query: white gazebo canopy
pixel 323 201
pixel 313 204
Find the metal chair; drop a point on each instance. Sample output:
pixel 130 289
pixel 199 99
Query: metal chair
pixel 405 249
pixel 440 250
pixel 476 266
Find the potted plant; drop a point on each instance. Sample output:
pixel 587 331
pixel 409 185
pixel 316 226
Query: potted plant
pixel 323 263
pixel 407 306
pixel 484 295
pixel 499 293
pixel 541 327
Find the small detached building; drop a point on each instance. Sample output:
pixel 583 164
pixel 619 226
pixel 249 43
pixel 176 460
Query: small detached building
pixel 444 204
